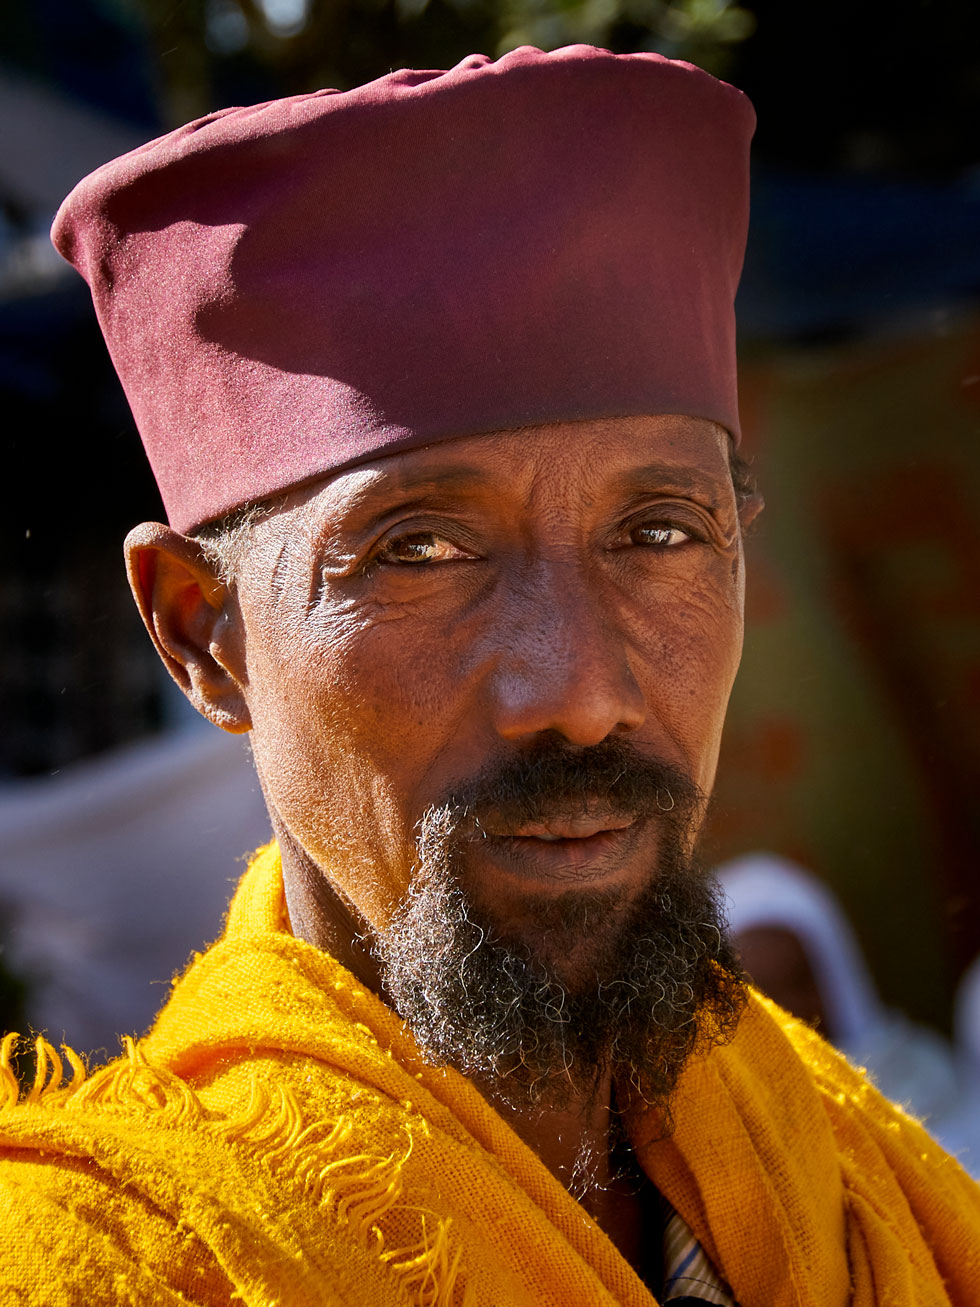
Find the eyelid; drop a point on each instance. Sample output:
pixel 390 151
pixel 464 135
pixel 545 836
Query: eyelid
pixel 683 517
pixel 387 547
pixel 452 533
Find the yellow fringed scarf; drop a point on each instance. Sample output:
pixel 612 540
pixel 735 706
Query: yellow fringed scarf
pixel 278 1139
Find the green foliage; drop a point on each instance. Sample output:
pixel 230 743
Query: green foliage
pixel 290 46
pixel 701 31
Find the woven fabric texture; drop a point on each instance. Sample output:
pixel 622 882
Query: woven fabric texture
pixel 278 1139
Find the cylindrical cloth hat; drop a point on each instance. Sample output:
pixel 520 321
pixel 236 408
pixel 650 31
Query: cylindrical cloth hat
pixel 293 288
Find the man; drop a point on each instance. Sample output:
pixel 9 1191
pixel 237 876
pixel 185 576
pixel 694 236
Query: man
pixel 437 378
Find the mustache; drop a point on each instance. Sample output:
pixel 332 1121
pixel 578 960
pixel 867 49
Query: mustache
pixel 553 779
pixel 596 980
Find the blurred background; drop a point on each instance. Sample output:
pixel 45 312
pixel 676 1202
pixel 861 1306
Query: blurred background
pixel 853 747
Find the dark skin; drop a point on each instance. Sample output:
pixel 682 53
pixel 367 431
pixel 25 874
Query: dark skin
pixel 397 627
pixel 777 962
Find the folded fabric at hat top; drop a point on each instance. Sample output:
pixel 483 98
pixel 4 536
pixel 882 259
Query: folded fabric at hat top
pixel 296 287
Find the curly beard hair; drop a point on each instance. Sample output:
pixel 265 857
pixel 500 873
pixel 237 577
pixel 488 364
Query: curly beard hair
pixel 636 985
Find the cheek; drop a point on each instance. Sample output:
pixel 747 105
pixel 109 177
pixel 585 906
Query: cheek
pixel 348 716
pixel 386 686
pixel 690 652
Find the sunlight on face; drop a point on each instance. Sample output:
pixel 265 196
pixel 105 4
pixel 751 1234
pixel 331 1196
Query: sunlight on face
pixel 436 612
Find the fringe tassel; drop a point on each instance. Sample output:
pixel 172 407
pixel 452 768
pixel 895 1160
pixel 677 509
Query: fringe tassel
pixel 429 1272
pixel 356 1190
pixel 131 1081
pixel 49 1072
pixel 9 1084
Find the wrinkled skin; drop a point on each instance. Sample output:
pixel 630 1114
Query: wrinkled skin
pixel 375 686
pixel 400 627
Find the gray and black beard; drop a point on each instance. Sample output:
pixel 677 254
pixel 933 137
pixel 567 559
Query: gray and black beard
pixel 636 985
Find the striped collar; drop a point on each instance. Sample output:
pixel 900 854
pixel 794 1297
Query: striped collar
pixel 689 1277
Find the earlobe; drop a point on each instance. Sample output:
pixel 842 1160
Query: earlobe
pixel 750 510
pixel 193 621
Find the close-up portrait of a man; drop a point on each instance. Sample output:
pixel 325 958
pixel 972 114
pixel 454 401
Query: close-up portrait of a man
pixel 437 379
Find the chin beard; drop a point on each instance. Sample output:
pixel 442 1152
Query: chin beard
pixel 635 985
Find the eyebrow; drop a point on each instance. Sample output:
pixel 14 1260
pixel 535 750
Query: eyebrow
pixel 398 487
pixel 401 486
pixel 392 490
pixel 669 476
pixel 461 476
pixel 457 476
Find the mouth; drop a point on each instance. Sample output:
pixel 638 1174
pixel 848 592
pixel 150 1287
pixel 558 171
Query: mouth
pixel 580 826
pixel 579 848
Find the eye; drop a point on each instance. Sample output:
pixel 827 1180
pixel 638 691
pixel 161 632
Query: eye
pixel 658 535
pixel 418 547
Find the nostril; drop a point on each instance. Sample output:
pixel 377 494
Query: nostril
pixel 565 667
pixel 579 701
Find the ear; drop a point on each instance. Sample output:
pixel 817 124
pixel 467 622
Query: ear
pixel 750 509
pixel 193 619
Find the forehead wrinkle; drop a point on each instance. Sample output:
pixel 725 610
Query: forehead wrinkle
pixel 276 583
pixel 376 489
pixel 401 475
pixel 444 469
pixel 454 476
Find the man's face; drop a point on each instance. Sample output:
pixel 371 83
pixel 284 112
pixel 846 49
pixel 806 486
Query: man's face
pixel 438 614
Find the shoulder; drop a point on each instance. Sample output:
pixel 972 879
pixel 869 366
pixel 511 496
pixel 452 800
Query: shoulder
pixel 845 1190
pixel 83 1199
pixel 902 1190
pixel 783 1051
pixel 74 1234
pixel 132 1186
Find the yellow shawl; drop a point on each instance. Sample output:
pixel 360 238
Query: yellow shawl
pixel 278 1139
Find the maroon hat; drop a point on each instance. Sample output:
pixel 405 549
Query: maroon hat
pixel 296 287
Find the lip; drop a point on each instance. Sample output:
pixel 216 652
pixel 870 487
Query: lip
pixel 582 826
pixel 575 850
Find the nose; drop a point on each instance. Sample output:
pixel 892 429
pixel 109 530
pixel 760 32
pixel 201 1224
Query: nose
pixel 564 666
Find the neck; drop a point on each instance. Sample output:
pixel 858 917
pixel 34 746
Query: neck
pixel 578 1144
pixel 321 917
pixel 575 1142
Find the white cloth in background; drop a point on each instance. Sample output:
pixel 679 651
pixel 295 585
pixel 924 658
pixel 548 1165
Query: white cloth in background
pixel 911 1064
pixel 114 871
